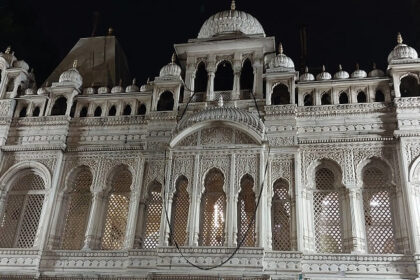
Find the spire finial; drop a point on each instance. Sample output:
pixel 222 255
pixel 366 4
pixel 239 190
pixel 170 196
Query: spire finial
pixel 306 69
pixel 148 80
pixel 8 49
pixel 399 38
pixel 340 67
pixel 323 68
pixel 220 102
pixel 75 63
pixel 233 5
pixel 281 48
pixel 110 31
pixel 374 66
pixel 134 81
pixel 173 58
pixel 357 66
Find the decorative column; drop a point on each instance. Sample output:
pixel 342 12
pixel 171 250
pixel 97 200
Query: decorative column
pixel 194 222
pixel 3 201
pixel 231 223
pixel 261 217
pixel 258 78
pixel 269 239
pixel 134 206
pixel 58 219
pixel 189 79
pixel 138 237
pixel 91 239
pixel 210 85
pixel 236 90
pixel 358 238
pixel 167 203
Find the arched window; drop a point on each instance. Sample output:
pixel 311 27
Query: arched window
pixel 224 76
pixel 361 97
pixel 112 111
pixel 379 96
pixel 326 99
pixel 328 218
pixel 181 95
pixel 127 110
pixel 247 76
pixel 200 80
pixel 22 112
pixel 307 100
pixel 98 111
pixel 180 208
pixel 77 207
pixel 11 84
pixel 141 110
pixel 379 211
pixel 166 102
pixel 60 107
pixel 36 111
pixel 20 221
pixel 83 112
pixel 280 95
pixel 343 98
pixel 246 209
pixel 409 86
pixel 213 206
pixel 118 201
pixel 153 212
pixel 281 216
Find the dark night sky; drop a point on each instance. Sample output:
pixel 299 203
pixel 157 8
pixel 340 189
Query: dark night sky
pixel 346 32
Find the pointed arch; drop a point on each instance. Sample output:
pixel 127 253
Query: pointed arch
pixel 153 213
pixel 409 86
pixel 343 98
pixel 213 210
pixel 246 210
pixel 60 106
pixel 166 101
pixel 361 97
pixel 180 210
pixel 326 98
pixel 280 95
pixel 247 76
pixel 281 216
pixel 224 76
pixel 201 77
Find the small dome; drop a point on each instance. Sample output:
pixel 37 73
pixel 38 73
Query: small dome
pixel 230 21
pixel 43 90
pixel 402 51
pixel 72 76
pixel 21 64
pixel 323 75
pixel 306 77
pixel 89 90
pixel 341 74
pixel 376 72
pixel 117 89
pixel 133 87
pixel 282 62
pixel 358 73
pixel 30 91
pixel 171 69
pixel 103 90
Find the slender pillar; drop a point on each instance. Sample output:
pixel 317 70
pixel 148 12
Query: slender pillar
pixel 261 220
pixel 210 85
pixel 138 237
pixel 357 220
pixel 91 239
pixel 258 80
pixel 167 202
pixel 195 205
pixel 57 223
pixel 231 223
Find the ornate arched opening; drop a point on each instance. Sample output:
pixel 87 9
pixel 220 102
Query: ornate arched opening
pixel 224 76
pixel 379 96
pixel 308 100
pixel 36 112
pixel 153 213
pixel 179 214
pixel 361 97
pixel 247 76
pixel 127 110
pixel 141 110
pixel 201 77
pixel 326 98
pixel 246 210
pixel 166 101
pixel 83 112
pixel 98 111
pixel 280 95
pixel 213 210
pixel 281 216
pixel 112 111
pixel 343 98
pixel 60 107
pixel 409 86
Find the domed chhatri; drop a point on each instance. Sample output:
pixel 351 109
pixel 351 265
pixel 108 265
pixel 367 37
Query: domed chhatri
pixel 118 88
pixel 306 77
pixel 402 51
pixel 230 21
pixel 341 74
pixel 171 69
pixel 324 75
pixel 358 73
pixel 376 72
pixel 72 76
pixel 281 62
pixel 133 87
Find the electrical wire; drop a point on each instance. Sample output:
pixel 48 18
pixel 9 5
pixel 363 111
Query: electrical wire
pixel 250 224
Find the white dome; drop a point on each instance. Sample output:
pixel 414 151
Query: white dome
pixel 358 73
pixel 21 64
pixel 281 62
pixel 133 87
pixel 341 74
pixel 117 89
pixel 72 76
pixel 29 91
pixel 230 21
pixel 402 51
pixel 323 75
pixel 306 77
pixel 43 90
pixel 376 72
pixel 103 90
pixel 89 90
pixel 171 69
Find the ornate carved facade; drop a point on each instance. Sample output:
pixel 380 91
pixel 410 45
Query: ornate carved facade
pixel 277 175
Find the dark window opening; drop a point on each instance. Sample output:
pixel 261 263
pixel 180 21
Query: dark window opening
pixel 166 102
pixel 22 112
pixel 326 99
pixel 247 75
pixel 409 87
pixel 11 84
pixel 73 109
pixel 83 112
pixel 112 111
pixel 361 97
pixel 60 107
pixel 280 95
pixel 98 112
pixel 127 110
pixel 141 110
pixel 36 112
pixel 224 76
pixel 379 96
pixel 343 98
pixel 200 80
pixel 307 100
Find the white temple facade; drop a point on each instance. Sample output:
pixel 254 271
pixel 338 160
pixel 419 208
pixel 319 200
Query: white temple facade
pixel 229 165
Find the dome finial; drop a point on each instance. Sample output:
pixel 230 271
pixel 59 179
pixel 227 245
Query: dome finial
pixel 75 63
pixel 374 65
pixel 233 5
pixel 110 31
pixel 281 48
pixel 357 66
pixel 173 58
pixel 399 38
pixel 323 68
pixel 148 80
pixel 306 69
pixel 340 68
pixel 134 81
pixel 120 83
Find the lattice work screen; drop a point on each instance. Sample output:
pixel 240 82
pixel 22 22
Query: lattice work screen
pixel 20 220
pixel 280 216
pixel 180 207
pixel 77 212
pixel 117 211
pixel 378 212
pixel 246 210
pixel 153 216
pixel 327 214
pixel 213 206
